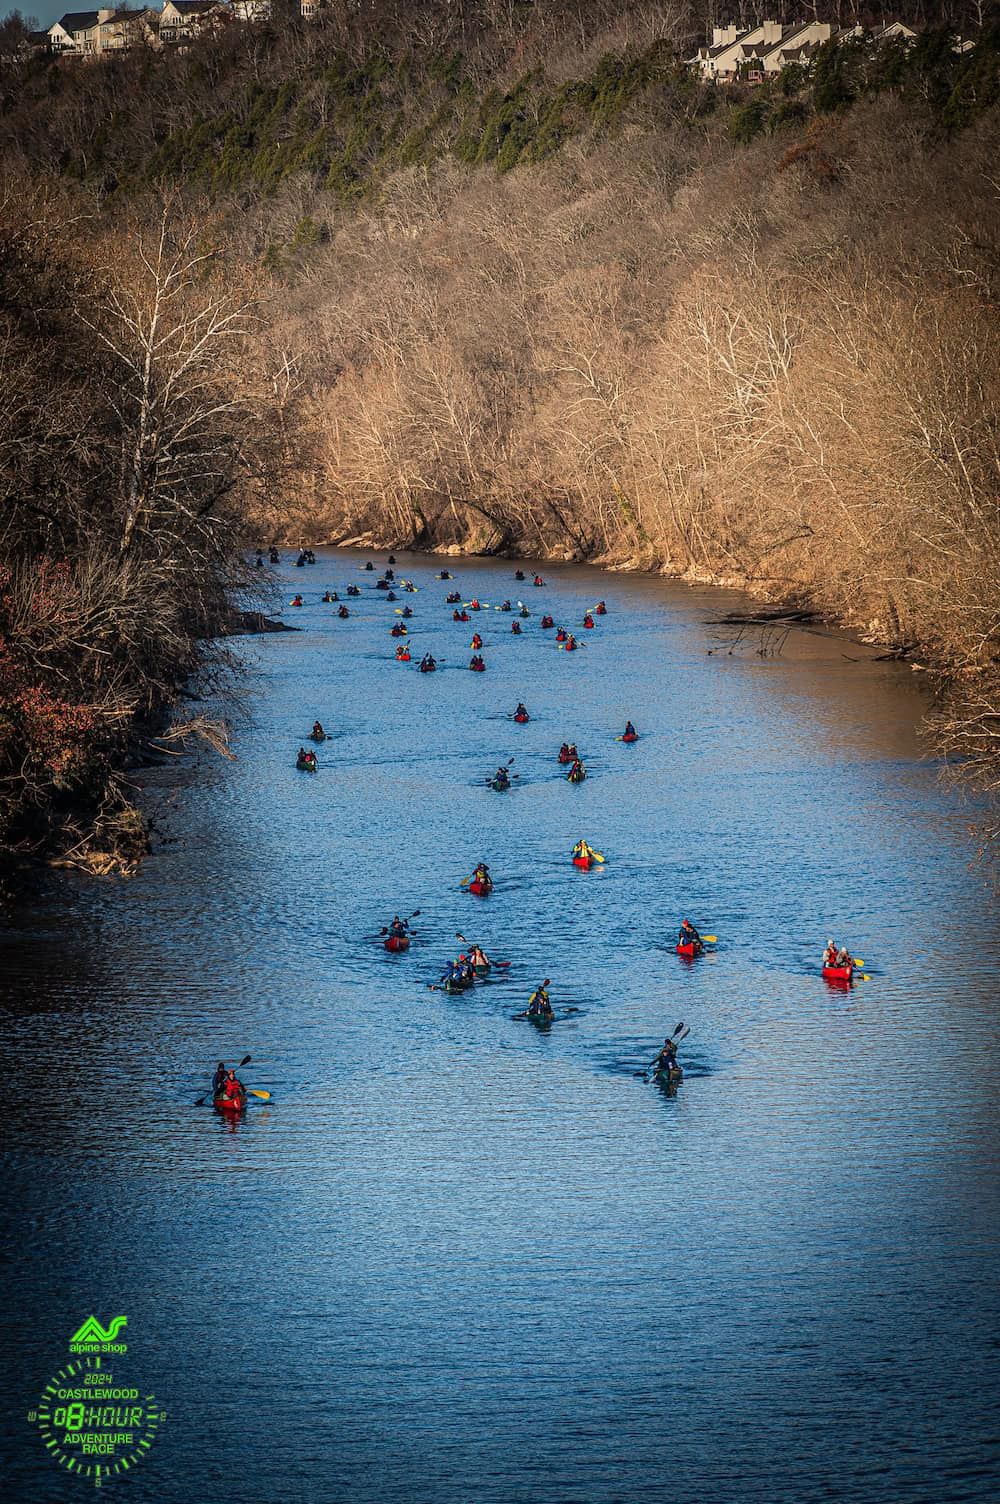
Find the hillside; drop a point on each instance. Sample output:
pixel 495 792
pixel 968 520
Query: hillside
pixel 522 281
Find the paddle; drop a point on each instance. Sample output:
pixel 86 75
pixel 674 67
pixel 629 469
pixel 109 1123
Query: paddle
pixel 265 1096
pixel 202 1100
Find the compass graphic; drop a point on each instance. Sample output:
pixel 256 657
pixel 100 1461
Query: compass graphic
pixel 94 1425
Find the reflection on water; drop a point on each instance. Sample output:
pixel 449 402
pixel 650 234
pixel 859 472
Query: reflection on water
pixel 461 1258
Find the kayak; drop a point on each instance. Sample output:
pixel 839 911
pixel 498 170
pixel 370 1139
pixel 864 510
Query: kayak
pixel 304 767
pixel 575 777
pixel 317 736
pixel 547 622
pixel 565 757
pixel 838 973
pixel 478 668
pixel 397 942
pixel 690 950
pixel 458 984
pixel 540 1020
pixel 560 635
pixel 428 668
pixel 481 889
pixel 501 788
pixel 521 719
pixel 482 971
pixel 669 1077
pixel 229 1104
pixel 631 736
pixel 402 657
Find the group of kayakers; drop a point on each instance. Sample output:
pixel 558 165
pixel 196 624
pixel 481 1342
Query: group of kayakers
pixel 837 955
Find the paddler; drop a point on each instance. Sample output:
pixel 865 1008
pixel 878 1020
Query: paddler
pixel 515 627
pixel 521 710
pixel 830 954
pixel 666 1060
pixel 482 875
pixel 233 1088
pixel 582 849
pixel 343 612
pixel 539 1005
pixel 577 772
pixel 478 957
pixel 296 600
pixel 398 928
pixel 601 609
pixel 588 620
pixel 318 733
pixel 219 1079
pixel 476 642
pixel 629 730
pixel 688 935
pixel 501 778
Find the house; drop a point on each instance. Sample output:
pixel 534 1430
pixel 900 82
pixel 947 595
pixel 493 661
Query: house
pixel 75 33
pixel 799 47
pixel 181 20
pixel 91 33
pixel 731 48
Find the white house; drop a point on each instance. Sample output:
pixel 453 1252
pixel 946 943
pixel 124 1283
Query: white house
pixel 181 20
pixel 74 32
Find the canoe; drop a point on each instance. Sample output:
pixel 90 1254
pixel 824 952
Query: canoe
pixel 521 719
pixel 575 777
pixel 317 736
pixel 478 668
pixel 670 1077
pixel 540 1020
pixel 305 767
pixel 397 942
pixel 229 1104
pixel 481 890
pixel 692 949
pixel 583 862
pixel 458 984
pixel 428 668
pixel 631 736
pixel 565 757
pixel 547 622
pixel 838 973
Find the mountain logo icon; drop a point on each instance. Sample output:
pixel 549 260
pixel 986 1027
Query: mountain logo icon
pixel 93 1331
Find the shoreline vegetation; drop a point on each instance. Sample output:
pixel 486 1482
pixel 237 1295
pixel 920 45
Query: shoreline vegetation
pixel 489 279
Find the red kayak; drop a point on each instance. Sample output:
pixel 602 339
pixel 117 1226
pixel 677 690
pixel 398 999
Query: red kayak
pixel 229 1104
pixel 632 736
pixel 481 889
pixel 397 942
pixel 690 950
pixel 838 973
pixel 521 719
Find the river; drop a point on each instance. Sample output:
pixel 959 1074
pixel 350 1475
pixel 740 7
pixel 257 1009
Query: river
pixel 459 1259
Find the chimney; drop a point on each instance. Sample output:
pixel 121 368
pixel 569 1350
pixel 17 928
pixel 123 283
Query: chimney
pixel 772 33
pixel 723 36
pixel 105 15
